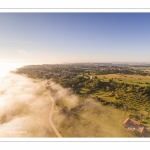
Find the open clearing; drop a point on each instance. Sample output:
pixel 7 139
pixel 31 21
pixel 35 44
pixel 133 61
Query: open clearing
pixel 91 119
pixel 129 79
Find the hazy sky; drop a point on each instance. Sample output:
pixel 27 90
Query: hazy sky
pixel 75 37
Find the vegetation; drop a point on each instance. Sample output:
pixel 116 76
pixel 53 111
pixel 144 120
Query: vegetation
pixel 125 87
pixel 91 119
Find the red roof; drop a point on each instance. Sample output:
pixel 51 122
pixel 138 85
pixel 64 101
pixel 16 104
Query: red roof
pixel 133 121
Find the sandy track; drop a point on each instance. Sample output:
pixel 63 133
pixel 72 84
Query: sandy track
pixel 50 120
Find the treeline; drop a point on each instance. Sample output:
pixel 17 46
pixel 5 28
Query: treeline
pixel 66 70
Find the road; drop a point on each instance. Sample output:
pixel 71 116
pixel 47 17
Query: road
pixel 50 118
pixel 12 131
pixel 51 122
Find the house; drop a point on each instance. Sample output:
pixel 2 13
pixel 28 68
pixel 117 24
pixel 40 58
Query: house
pixel 131 124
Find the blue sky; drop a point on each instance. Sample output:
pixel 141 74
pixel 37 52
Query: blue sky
pixel 75 37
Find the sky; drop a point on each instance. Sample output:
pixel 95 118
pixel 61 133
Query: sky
pixel 74 37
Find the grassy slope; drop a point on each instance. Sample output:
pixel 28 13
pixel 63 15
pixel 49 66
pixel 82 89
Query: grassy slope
pixel 91 119
pixel 129 79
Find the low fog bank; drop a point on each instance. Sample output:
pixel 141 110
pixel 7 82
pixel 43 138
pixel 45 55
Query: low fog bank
pixel 26 110
pixel 25 106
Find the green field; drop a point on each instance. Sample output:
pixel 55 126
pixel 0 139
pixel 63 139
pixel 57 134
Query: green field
pixel 129 79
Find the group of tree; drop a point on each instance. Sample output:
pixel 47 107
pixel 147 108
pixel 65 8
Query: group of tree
pixel 78 77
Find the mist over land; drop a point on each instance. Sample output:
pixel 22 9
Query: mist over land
pixel 33 107
pixel 22 101
pixel 25 106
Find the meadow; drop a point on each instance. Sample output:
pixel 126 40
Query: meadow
pixel 91 119
pixel 126 78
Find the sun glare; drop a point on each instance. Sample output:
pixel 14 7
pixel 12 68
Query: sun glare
pixel 6 67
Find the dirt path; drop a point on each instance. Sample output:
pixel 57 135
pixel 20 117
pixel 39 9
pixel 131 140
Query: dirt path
pixel 50 120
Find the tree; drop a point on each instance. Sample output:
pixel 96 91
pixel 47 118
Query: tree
pixel 147 90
